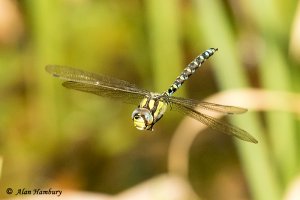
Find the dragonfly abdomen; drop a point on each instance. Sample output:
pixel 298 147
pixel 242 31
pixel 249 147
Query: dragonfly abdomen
pixel 189 70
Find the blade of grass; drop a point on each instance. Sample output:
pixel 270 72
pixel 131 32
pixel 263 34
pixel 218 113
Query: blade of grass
pixel 164 41
pixel 280 124
pixel 274 71
pixel 47 33
pixel 216 31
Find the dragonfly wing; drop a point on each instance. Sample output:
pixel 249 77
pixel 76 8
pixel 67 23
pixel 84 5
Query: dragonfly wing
pixel 77 75
pixel 216 124
pixel 127 95
pixel 222 108
pixel 191 103
pixel 97 84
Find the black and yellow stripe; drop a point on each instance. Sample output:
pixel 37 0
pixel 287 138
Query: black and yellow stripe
pixel 157 107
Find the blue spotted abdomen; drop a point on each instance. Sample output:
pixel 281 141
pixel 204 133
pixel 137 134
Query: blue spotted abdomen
pixel 189 70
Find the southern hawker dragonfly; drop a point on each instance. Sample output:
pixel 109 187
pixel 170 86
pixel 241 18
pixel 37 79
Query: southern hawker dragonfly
pixel 152 106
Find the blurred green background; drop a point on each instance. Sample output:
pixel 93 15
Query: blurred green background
pixel 54 137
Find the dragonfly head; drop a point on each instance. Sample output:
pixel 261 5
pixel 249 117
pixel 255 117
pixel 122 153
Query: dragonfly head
pixel 142 119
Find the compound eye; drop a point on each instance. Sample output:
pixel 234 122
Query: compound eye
pixel 148 117
pixel 142 118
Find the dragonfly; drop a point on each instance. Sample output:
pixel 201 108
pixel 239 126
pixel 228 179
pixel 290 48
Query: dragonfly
pixel 151 105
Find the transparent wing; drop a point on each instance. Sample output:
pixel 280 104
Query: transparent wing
pixel 97 84
pixel 191 103
pixel 77 75
pixel 125 96
pixel 215 123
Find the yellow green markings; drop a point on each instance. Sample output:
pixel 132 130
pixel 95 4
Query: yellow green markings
pixel 160 110
pixel 151 104
pixel 143 102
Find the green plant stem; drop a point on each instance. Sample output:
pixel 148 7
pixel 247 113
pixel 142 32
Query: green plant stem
pixel 47 32
pixel 216 31
pixel 164 35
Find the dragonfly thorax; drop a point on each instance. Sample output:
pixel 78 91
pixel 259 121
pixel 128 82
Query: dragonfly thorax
pixel 149 111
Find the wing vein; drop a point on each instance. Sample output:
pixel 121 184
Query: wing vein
pixel 216 124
